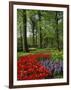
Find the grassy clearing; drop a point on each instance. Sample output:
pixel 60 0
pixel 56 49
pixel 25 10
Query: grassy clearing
pixel 55 54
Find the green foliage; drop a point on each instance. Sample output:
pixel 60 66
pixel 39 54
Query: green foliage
pixel 44 29
pixel 57 55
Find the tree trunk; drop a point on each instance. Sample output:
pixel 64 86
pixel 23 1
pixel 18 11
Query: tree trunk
pixel 36 36
pixel 33 33
pixel 52 42
pixel 21 47
pixel 57 32
pixel 25 31
pixel 39 14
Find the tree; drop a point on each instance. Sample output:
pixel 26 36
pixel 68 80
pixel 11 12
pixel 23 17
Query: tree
pixel 40 29
pixel 58 18
pixel 25 31
pixel 39 15
pixel 19 31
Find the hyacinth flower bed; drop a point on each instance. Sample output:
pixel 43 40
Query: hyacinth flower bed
pixel 38 66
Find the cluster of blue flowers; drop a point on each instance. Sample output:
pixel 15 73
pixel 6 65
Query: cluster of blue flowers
pixel 54 66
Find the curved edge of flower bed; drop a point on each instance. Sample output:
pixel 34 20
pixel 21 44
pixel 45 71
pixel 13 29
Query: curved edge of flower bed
pixel 30 69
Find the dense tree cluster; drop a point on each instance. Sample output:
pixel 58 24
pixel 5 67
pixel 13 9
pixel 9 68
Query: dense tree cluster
pixel 39 29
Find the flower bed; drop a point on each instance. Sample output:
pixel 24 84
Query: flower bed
pixel 29 68
pixel 56 67
pixel 38 66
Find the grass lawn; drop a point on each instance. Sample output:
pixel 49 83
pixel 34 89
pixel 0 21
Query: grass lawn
pixel 55 54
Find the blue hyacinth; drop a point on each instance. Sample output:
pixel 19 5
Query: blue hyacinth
pixel 56 67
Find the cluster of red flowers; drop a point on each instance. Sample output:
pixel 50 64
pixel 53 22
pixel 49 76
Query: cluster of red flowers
pixel 29 67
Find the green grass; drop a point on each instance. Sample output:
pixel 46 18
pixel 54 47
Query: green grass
pixel 55 54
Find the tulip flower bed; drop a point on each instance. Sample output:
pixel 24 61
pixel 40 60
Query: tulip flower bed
pixel 38 66
pixel 30 69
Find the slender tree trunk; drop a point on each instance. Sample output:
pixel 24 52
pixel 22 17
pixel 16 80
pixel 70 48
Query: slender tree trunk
pixel 33 33
pixel 21 39
pixel 25 31
pixel 52 42
pixel 39 14
pixel 36 36
pixel 57 32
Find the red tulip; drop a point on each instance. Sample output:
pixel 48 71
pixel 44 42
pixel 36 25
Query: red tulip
pixel 29 68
